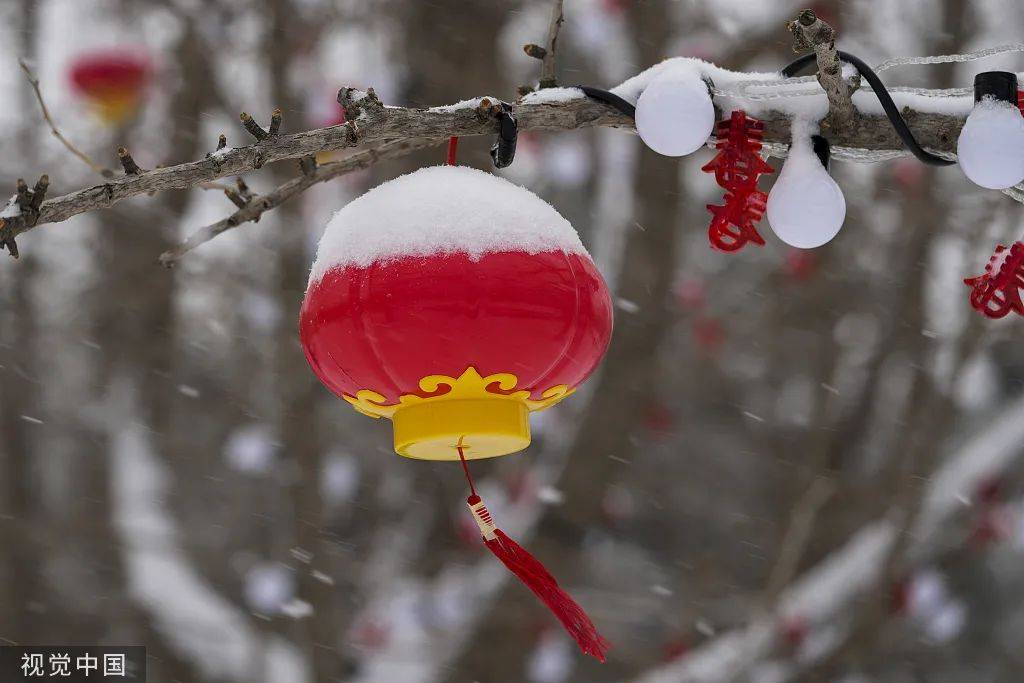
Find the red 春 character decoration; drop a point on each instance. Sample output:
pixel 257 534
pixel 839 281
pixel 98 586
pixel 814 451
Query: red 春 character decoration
pixel 996 292
pixel 737 167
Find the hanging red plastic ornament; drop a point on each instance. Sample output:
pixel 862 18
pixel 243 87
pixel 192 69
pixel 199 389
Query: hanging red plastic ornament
pixel 793 630
pixel 996 292
pixel 800 265
pixel 112 81
pixel 708 335
pixel 454 303
pixel 737 166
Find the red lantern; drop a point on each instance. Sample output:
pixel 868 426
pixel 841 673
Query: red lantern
pixel 455 303
pixel 112 81
pixel 422 308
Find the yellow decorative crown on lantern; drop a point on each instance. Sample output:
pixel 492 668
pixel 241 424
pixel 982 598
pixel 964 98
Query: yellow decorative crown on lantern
pixel 485 415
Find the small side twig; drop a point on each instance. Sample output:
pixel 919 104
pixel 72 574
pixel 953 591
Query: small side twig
pixel 23 208
pixel 275 122
pixel 255 129
pixel 308 165
pixel 127 162
pixel 257 206
pixel 547 53
pixel 34 82
pixel 811 33
pixel 240 195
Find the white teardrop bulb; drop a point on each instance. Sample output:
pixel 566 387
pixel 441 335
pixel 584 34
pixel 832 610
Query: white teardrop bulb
pixel 674 115
pixel 805 208
pixel 990 148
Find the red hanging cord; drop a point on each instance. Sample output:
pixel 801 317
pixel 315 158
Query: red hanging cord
pixel 462 458
pixel 532 573
pixel 453 148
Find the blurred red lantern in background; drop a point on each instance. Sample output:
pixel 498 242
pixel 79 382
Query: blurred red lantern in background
pixel 112 81
pixel 800 264
pixel 709 335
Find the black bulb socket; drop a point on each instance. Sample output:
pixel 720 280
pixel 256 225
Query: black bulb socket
pixel 999 85
pixel 822 149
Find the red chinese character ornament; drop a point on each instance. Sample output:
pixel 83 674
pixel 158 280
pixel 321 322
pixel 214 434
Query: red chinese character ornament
pixel 996 292
pixel 737 167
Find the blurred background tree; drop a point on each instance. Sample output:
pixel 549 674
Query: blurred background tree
pixel 173 475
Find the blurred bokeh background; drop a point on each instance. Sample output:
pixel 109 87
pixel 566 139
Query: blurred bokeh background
pixel 792 465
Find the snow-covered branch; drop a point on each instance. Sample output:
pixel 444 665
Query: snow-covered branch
pixel 371 124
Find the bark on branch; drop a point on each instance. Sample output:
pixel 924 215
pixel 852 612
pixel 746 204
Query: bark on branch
pixel 251 207
pixel 547 54
pixel 811 33
pixel 372 124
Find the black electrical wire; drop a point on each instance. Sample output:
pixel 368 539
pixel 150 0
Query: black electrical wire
pixel 888 106
pixel 609 98
pixel 892 112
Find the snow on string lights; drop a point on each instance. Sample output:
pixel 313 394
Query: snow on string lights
pixel 990 148
pixel 806 207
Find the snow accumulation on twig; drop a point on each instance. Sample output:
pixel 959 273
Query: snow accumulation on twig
pixel 826 594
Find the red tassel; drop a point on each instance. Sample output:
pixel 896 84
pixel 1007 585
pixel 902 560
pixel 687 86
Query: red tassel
pixel 532 573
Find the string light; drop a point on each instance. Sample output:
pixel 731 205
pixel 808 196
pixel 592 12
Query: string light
pixel 990 148
pixel 806 208
pixel 674 114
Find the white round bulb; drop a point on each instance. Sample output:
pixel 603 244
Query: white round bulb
pixel 805 208
pixel 674 115
pixel 990 148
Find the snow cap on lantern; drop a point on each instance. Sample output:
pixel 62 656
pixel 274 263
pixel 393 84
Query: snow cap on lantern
pixel 454 303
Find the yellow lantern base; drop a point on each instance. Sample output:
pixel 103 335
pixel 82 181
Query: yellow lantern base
pixel 485 428
pixel 116 108
pixel 487 413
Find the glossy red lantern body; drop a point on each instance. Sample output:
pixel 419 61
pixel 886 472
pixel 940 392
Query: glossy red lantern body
pixel 473 340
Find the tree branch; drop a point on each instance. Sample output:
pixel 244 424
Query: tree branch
pixel 811 33
pixel 251 207
pixel 547 54
pixel 371 124
pixel 34 82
